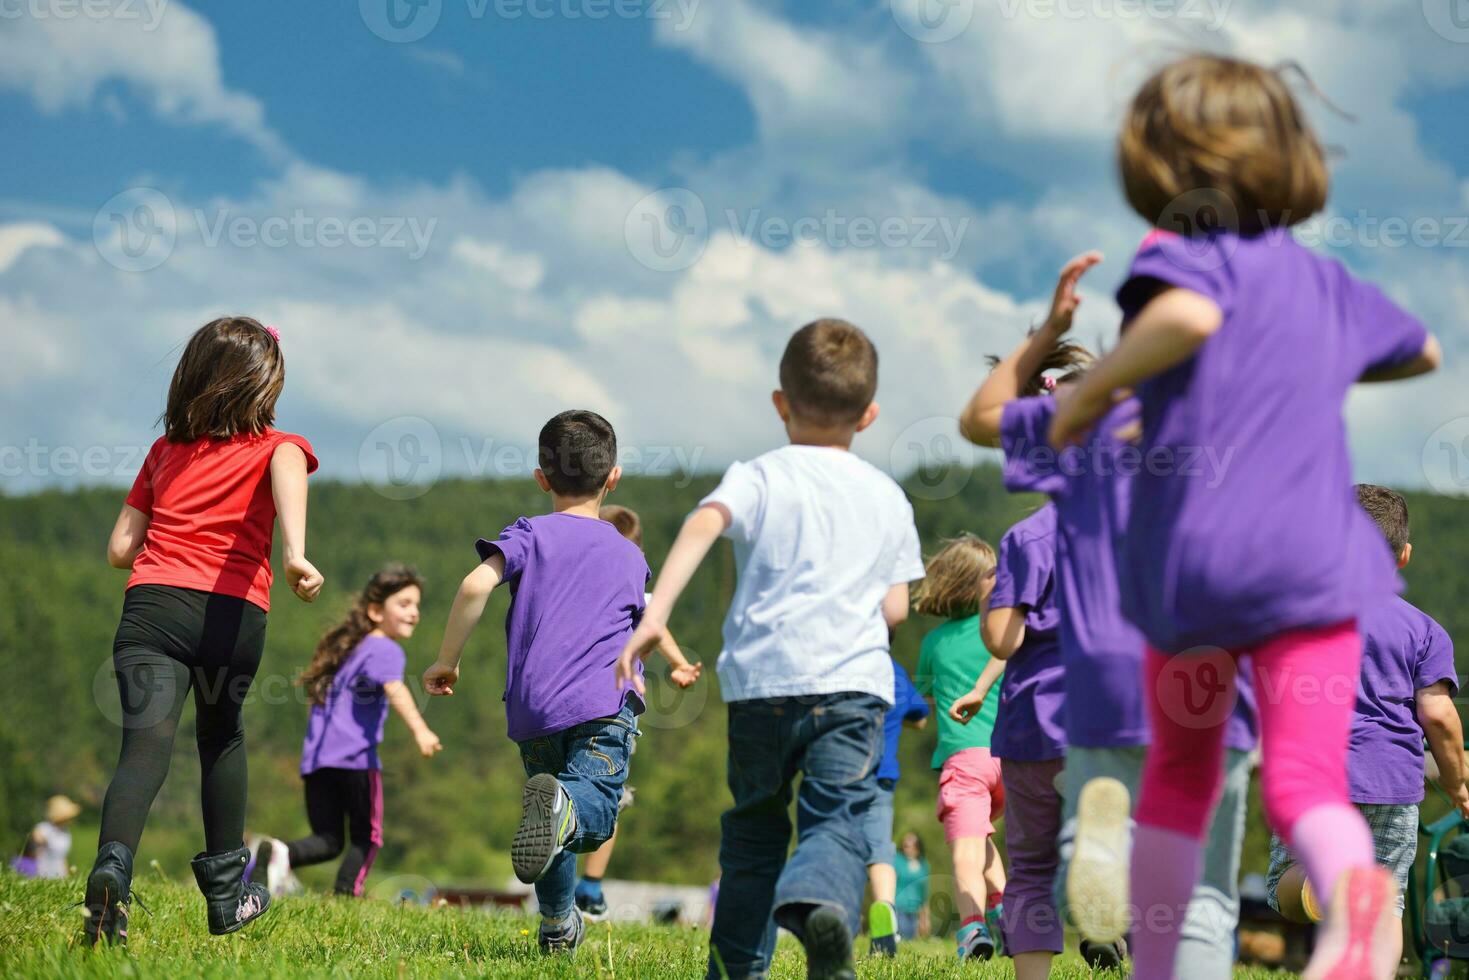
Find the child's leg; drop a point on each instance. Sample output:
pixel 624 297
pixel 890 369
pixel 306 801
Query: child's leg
pixel 231 642
pixel 839 741
pixel 877 828
pixel 598 860
pixel 1033 930
pixel 1206 949
pixel 755 835
pixel 1189 700
pixel 326 811
pixel 364 799
pixel 970 798
pixel 1306 682
pixel 152 687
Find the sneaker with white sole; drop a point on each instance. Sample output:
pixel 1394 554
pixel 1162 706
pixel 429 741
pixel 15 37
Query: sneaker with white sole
pixel 547 821
pixel 1356 942
pixel 1097 881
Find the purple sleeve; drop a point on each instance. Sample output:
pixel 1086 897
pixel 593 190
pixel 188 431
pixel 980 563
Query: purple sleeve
pixel 1197 264
pixel 1030 462
pixel 385 663
pixel 1436 660
pixel 1023 570
pixel 1381 333
pixel 514 543
pixel 742 493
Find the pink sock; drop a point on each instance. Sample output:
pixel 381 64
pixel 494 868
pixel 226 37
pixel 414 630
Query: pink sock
pixel 1165 869
pixel 1330 839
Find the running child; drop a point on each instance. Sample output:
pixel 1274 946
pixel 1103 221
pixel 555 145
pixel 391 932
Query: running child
pixel 1102 653
pixel 589 897
pixel 911 711
pixel 1405 694
pixel 356 674
pixel 952 664
pixel 825 547
pixel 576 591
pixel 1242 342
pixel 196 532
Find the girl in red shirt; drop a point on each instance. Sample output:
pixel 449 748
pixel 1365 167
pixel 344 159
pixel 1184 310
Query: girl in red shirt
pixel 196 533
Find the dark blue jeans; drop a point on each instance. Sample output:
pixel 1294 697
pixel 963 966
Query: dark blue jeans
pixel 590 760
pixel 833 742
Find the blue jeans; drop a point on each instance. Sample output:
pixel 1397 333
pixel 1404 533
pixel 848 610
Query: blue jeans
pixel 834 742
pixel 590 761
pixel 877 826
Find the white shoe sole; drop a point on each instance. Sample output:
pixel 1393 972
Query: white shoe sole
pixel 1097 882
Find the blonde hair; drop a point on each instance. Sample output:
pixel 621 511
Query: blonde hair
pixel 1231 132
pixel 952 578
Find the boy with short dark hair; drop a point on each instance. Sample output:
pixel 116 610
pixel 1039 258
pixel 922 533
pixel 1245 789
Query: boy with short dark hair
pixel 1405 694
pixel 825 547
pixel 576 588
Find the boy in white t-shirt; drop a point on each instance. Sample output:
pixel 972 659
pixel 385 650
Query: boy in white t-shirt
pixel 825 547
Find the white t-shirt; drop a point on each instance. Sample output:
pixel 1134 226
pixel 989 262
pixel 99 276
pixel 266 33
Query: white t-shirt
pixel 820 536
pixel 52 850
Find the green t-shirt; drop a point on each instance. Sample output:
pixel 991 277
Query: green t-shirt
pixel 912 889
pixel 951 660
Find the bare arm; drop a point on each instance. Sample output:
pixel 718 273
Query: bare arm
pixel 1445 733
pixel 1003 631
pixel 964 709
pixel 288 488
pixel 1166 332
pixel 464 615
pixel 895 606
pixel 979 422
pixel 681 671
pixel 1427 360
pixel 128 535
pixel 700 530
pixel 402 701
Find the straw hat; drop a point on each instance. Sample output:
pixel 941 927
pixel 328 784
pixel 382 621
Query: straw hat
pixel 59 809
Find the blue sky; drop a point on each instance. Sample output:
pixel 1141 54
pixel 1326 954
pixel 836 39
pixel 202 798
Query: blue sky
pixel 506 173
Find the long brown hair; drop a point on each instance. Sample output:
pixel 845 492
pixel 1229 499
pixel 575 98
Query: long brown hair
pixel 1070 359
pixel 227 381
pixel 953 579
pixel 339 642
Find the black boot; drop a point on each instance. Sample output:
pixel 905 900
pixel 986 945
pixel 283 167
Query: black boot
pixel 109 889
pixel 231 900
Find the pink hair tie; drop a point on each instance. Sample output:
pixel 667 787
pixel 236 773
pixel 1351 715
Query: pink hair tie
pixel 1048 383
pixel 274 333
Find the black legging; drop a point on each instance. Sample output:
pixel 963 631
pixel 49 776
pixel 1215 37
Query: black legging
pixel 334 798
pixel 171 640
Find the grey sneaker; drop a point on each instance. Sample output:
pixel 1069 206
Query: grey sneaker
pixel 564 938
pixel 547 821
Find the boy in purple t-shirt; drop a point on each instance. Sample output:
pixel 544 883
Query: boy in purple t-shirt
pixel 576 592
pixel 1405 694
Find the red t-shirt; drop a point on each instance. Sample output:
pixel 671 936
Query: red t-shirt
pixel 211 514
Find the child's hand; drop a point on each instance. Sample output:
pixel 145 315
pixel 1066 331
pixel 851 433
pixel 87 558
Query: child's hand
pixel 686 675
pixel 964 709
pixel 304 579
pixel 1065 302
pixel 439 679
pixel 644 640
pixel 428 743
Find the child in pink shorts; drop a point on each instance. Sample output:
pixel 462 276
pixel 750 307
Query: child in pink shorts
pixel 952 662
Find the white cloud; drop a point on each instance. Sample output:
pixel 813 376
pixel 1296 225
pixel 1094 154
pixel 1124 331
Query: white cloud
pixel 16 238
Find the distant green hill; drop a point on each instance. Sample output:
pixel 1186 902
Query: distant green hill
pixel 452 817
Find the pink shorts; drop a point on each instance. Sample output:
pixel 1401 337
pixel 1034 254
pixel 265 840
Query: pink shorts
pixel 971 796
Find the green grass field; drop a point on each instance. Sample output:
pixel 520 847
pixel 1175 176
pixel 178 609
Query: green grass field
pixel 320 936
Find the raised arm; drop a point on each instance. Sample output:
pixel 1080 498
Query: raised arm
pixel 464 615
pixel 1166 332
pixel 698 534
pixel 402 701
pixel 979 422
pixel 1445 733
pixel 128 535
pixel 288 488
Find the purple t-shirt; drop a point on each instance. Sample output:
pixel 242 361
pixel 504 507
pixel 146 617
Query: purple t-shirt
pixel 344 733
pixel 1403 651
pixel 1245 522
pixel 576 593
pixel 1030 726
pixel 1102 652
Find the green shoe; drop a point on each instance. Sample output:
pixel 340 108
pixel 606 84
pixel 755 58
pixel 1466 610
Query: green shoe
pixel 882 926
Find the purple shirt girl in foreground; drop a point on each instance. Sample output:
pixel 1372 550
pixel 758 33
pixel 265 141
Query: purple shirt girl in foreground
pixel 1272 558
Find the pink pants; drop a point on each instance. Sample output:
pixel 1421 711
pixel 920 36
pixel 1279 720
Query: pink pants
pixel 1305 687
